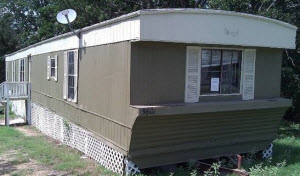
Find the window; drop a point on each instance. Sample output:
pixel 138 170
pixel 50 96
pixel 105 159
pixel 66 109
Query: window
pixel 52 68
pixel 13 67
pixel 22 70
pixel 220 72
pixel 70 75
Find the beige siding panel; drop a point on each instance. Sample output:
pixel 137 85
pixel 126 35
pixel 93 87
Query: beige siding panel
pixel 221 132
pixel 103 92
pixel 103 81
pixel 268 73
pixel 157 73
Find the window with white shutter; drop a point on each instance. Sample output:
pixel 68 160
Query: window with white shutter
pixel 219 71
pixel 70 75
pixel 249 74
pixel 192 75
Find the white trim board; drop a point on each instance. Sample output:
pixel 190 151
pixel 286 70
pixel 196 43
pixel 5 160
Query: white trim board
pixel 194 26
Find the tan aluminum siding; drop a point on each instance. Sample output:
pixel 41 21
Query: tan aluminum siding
pixel 103 92
pixel 158 73
pixel 160 140
pixel 268 73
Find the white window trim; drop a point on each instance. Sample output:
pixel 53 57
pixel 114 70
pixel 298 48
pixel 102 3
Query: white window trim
pixel 220 48
pixel 241 80
pixel 55 68
pixel 66 68
pixel 21 73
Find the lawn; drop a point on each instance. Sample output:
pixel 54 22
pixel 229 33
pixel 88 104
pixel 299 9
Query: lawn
pixel 45 152
pixel 286 156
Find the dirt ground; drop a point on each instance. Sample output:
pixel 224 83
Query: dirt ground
pixel 11 165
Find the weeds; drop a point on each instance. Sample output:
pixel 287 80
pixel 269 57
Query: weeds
pixel 213 170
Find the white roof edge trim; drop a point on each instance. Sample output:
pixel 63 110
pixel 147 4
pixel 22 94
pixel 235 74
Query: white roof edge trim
pixel 88 28
pixel 156 11
pixel 216 12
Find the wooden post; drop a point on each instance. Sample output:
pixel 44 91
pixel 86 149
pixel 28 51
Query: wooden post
pixel 7 106
pixel 28 107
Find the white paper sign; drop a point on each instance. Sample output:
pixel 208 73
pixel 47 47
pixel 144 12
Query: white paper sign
pixel 214 84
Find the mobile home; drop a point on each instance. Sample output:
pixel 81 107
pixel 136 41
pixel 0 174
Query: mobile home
pixel 158 87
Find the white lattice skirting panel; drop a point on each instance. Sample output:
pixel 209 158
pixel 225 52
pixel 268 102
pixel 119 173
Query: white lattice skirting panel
pixel 74 136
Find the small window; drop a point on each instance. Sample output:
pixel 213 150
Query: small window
pixel 52 68
pixel 22 70
pixel 220 72
pixel 53 75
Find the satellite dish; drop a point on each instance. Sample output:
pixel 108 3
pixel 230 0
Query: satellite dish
pixel 66 16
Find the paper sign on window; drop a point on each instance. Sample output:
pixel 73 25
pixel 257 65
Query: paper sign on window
pixel 214 84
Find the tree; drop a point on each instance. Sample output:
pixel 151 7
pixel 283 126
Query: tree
pixel 24 22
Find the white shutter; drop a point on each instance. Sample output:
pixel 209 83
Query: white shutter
pixel 65 88
pixel 75 75
pixel 192 75
pixel 48 67
pixel 56 60
pixel 248 73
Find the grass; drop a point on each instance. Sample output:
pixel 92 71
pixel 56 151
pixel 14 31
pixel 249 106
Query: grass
pixel 285 160
pixel 286 156
pixel 11 115
pixel 39 148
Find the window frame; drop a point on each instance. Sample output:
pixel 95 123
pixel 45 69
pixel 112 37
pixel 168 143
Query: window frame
pixel 75 75
pixel 22 70
pixel 49 67
pixel 55 68
pixel 71 75
pixel 242 70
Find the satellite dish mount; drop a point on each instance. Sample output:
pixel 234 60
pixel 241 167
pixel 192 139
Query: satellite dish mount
pixel 67 17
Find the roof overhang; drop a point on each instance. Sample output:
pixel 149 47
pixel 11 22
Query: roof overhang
pixel 194 26
pixel 216 27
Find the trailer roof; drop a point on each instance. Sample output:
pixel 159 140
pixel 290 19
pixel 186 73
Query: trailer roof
pixel 195 26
